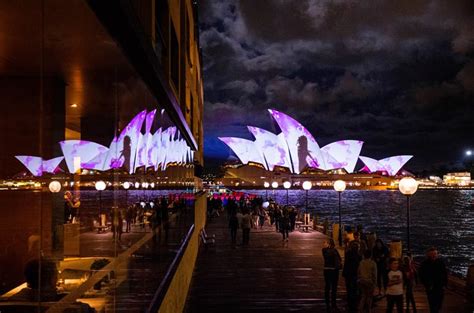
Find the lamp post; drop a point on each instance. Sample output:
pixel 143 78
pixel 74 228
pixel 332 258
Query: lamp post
pixel 266 185
pixel 126 186
pixel 100 186
pixel 274 186
pixel 307 185
pixel 287 185
pixel 340 186
pixel 408 187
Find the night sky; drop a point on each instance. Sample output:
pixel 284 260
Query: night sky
pixel 398 75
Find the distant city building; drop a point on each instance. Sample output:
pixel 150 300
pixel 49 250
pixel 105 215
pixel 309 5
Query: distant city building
pixel 457 179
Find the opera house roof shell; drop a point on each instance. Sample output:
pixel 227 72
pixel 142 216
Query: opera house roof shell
pixel 296 149
pixel 130 150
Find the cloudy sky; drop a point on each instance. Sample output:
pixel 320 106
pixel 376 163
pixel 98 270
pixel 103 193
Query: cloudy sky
pixel 398 75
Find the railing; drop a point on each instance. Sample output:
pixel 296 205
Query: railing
pixel 166 282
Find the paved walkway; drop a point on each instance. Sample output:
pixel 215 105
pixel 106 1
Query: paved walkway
pixel 270 275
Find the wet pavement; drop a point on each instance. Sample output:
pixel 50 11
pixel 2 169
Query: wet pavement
pixel 270 275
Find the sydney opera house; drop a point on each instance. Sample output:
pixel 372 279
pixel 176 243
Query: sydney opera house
pixel 295 154
pixel 131 150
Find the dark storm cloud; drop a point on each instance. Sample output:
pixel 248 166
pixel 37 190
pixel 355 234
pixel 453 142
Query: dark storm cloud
pixel 397 74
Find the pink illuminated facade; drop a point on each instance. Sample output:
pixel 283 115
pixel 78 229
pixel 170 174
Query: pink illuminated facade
pixel 296 149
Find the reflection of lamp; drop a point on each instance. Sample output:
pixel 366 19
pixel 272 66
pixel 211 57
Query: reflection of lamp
pixel 287 185
pixel 126 186
pixel 100 186
pixel 408 187
pixel 340 186
pixel 266 185
pixel 274 186
pixel 54 186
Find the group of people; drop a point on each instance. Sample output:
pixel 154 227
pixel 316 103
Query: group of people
pixel 154 213
pixel 247 213
pixel 370 274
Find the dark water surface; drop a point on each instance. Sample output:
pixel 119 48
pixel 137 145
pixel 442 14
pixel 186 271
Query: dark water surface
pixel 443 218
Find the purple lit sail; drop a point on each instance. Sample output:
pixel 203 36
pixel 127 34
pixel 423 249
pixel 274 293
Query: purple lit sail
pixel 34 164
pixel 304 149
pixel 51 165
pixel 84 150
pixel 372 164
pixel 393 164
pixel 153 149
pixel 273 148
pixel 244 149
pixel 345 152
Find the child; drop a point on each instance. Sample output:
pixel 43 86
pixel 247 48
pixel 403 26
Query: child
pixel 394 287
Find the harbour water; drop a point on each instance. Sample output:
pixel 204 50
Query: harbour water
pixel 441 218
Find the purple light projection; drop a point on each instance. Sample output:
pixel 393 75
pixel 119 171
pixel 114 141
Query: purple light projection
pixel 296 149
pixel 272 147
pixel 345 152
pixel 304 149
pixel 245 150
pixel 391 165
pixel 130 150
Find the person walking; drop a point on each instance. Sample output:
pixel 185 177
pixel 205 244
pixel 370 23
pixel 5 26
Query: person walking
pixel 380 256
pixel 332 265
pixel 292 215
pixel 285 225
pixel 394 287
pixel 367 280
pixel 409 273
pixel 349 272
pixel 233 225
pixel 434 277
pixel 246 225
pixel 261 217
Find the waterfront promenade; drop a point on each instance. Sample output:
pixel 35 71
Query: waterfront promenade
pixel 270 275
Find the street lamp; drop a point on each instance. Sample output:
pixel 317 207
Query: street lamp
pixel 307 185
pixel 340 186
pixel 408 187
pixel 54 186
pixel 266 185
pixel 126 186
pixel 100 186
pixel 468 152
pixel 287 185
pixel 137 185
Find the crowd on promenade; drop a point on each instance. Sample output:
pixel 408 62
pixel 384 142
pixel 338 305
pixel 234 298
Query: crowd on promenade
pixel 370 271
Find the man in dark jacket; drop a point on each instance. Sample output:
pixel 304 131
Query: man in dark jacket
pixel 434 276
pixel 332 265
pixel 349 272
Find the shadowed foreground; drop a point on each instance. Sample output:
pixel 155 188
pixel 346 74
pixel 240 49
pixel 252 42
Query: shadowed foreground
pixel 270 275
